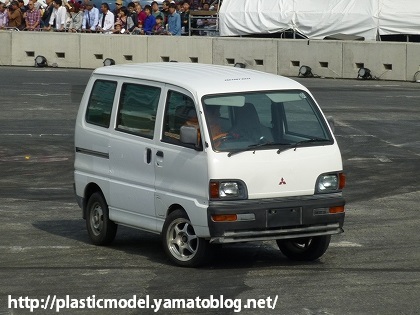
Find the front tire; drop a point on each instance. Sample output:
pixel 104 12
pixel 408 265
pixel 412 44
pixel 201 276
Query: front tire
pixel 304 249
pixel 180 242
pixel 100 228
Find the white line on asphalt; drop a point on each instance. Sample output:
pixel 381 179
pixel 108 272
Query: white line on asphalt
pixel 361 159
pixel 36 135
pixel 382 159
pixel 47 70
pixel 29 159
pixel 354 136
pixel 45 94
pixel 402 96
pixel 50 188
pixel 345 244
pixel 35 83
pixel 377 85
pixel 43 108
pixel 17 249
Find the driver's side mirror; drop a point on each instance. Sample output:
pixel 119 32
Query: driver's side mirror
pixel 189 135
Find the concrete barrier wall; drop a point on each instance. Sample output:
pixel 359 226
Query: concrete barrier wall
pixel 387 61
pixel 255 53
pixel 61 49
pixel 336 59
pixel 325 58
pixel 182 49
pixel 5 48
pixel 413 61
pixel 123 49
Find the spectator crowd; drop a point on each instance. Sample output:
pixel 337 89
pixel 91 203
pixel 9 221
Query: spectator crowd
pixel 172 18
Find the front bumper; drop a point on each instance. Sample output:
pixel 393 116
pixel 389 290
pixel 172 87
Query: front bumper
pixel 276 218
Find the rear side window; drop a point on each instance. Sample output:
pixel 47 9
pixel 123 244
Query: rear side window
pixel 100 103
pixel 137 110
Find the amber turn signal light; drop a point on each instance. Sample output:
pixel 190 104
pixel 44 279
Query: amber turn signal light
pixel 214 190
pixel 224 217
pixel 341 181
pixel 337 209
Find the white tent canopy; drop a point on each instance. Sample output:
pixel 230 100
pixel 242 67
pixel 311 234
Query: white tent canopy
pixel 319 19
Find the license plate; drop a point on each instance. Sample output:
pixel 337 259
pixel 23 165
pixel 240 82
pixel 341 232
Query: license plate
pixel 284 217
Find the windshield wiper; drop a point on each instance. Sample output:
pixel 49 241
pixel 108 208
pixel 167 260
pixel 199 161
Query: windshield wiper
pixel 258 145
pixel 284 145
pixel 299 143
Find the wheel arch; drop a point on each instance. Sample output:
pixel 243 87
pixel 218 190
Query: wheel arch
pixel 90 189
pixel 175 207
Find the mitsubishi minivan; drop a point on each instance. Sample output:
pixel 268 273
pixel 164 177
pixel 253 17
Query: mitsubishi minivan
pixel 206 154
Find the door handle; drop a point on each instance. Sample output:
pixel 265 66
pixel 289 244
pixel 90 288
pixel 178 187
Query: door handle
pixel 159 159
pixel 148 155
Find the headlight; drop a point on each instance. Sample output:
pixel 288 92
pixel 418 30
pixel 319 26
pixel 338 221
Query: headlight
pixel 330 182
pixel 229 189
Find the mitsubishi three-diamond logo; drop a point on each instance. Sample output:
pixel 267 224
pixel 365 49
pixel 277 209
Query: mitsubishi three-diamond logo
pixel 282 181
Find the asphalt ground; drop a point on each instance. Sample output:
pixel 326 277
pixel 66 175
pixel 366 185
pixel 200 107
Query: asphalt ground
pixel 373 268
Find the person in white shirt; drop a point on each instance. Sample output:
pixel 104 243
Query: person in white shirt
pixel 106 21
pixel 59 14
pixel 90 18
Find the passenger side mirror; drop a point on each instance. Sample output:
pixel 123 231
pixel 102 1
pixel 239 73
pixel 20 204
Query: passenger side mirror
pixel 189 135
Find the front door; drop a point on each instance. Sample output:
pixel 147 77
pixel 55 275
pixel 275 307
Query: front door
pixel 181 169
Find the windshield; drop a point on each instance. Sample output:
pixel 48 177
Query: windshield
pixel 264 120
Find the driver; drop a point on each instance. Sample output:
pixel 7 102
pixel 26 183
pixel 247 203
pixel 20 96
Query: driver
pixel 215 125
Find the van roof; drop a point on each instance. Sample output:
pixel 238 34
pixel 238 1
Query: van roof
pixel 202 78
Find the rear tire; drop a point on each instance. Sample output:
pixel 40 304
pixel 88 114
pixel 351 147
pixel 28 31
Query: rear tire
pixel 304 249
pixel 180 242
pixel 100 228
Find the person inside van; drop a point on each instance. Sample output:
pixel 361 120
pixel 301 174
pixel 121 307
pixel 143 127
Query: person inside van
pixel 215 124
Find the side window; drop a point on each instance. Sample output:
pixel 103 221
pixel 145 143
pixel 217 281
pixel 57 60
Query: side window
pixel 137 109
pixel 179 111
pixel 100 103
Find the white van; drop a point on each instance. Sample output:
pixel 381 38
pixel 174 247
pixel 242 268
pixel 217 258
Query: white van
pixel 207 154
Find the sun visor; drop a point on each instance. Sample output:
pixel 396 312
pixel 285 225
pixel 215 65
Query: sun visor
pixel 286 97
pixel 234 100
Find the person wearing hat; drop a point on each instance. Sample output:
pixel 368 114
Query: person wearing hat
pixel 90 17
pixel 14 15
